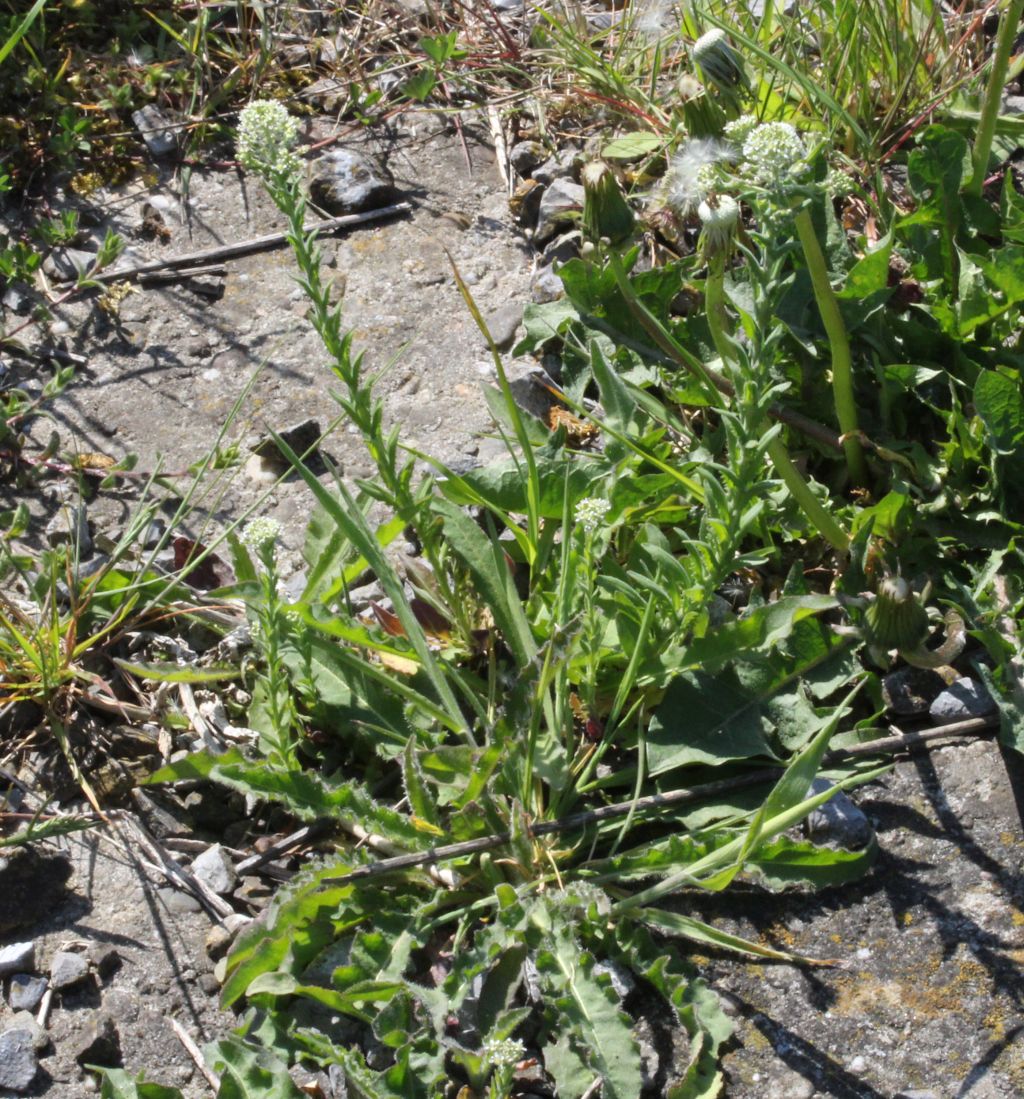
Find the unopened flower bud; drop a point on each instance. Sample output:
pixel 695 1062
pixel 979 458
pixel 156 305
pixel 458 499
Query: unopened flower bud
pixel 719 218
pixel 895 619
pixel 606 214
pixel 717 60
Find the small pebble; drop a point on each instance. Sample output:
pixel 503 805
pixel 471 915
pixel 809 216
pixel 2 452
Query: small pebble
pixel 17 958
pixel 858 1065
pixel 26 991
pixel 18 1061
pixel 25 1020
pixel 838 821
pixel 967 698
pixel 67 969
pixel 176 902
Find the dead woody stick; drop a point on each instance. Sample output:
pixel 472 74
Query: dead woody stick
pixel 242 247
pixel 889 745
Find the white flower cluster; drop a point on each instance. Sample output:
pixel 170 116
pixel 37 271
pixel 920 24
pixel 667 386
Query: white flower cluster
pixel 773 152
pixel 266 135
pixel 261 532
pixel 590 513
pixel 504 1052
pixel 738 130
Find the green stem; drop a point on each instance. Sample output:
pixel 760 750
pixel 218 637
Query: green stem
pixel 718 322
pixel 1008 28
pixel 812 507
pixel 835 329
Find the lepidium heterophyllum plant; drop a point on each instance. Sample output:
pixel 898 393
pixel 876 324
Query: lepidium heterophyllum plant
pixel 560 652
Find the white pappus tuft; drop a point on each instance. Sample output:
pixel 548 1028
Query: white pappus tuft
pixel 693 172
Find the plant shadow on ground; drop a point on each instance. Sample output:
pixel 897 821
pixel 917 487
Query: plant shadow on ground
pixel 929 942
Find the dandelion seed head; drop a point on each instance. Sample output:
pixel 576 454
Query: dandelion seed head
pixel 719 218
pixel 693 173
pixel 717 60
pixel 653 18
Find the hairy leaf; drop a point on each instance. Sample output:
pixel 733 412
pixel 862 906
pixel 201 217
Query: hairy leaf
pixel 249 1072
pixel 784 862
pixel 600 1033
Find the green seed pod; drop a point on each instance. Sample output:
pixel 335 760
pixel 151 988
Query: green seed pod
pixel 895 619
pixel 606 214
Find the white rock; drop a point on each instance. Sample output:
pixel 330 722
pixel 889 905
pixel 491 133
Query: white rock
pixel 215 869
pixel 17 958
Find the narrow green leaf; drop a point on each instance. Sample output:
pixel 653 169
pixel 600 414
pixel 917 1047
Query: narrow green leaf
pixel 177 673
pixel 485 559
pixel 687 927
pixel 345 513
pixel 421 800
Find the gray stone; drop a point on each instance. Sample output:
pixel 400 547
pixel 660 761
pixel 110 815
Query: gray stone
pixel 908 692
pixel 26 991
pixel 1013 104
pixel 525 156
pixel 67 969
pixel 966 698
pixel 328 93
pixel 255 891
pixel 561 199
pixel 176 902
pixel 566 162
pixel 17 302
pixel 561 249
pixel 17 958
pixel 838 821
pixel 104 959
pixel 346 182
pixel 858 1065
pixel 25 1020
pixel 218 940
pixel 546 285
pixel 503 322
pixel 215 869
pixel 623 981
pixel 68 263
pixel 98 1043
pixel 791 1086
pixel 70 527
pixel 301 437
pixel 18 1061
pixel 234 645
pixel 156 129
pixel 207 286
